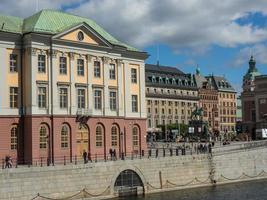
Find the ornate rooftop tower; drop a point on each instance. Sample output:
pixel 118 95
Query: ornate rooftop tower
pixel 248 79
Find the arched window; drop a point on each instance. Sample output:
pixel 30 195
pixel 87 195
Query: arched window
pixel 135 137
pixel 64 136
pixel 43 137
pixel 114 136
pixel 14 137
pixel 99 136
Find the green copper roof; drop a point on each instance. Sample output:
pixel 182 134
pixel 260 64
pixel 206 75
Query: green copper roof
pixel 252 71
pixel 54 22
pixel 11 24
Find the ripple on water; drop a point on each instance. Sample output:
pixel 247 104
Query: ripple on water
pixel 252 190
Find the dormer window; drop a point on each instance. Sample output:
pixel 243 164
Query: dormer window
pixel 166 80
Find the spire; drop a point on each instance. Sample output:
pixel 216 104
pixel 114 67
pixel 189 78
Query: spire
pixel 198 70
pixel 252 64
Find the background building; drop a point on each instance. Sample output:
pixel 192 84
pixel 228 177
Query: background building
pixel 227 104
pixel 218 101
pixel 248 100
pixel 171 95
pixel 208 101
pixel 68 86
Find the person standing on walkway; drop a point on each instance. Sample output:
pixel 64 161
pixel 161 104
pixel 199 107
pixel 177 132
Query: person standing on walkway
pixel 84 156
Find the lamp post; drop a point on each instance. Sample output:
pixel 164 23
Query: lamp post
pixel 122 153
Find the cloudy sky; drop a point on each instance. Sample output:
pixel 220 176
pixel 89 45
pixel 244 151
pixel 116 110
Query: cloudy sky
pixel 217 35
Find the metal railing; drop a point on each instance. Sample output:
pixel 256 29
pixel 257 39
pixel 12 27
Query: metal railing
pixel 74 160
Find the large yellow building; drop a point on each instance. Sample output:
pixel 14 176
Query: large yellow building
pixel 68 86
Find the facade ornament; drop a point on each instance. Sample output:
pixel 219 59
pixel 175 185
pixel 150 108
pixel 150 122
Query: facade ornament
pixel 119 61
pixel 106 59
pixel 98 58
pixel 71 54
pixel 89 57
pixel 32 51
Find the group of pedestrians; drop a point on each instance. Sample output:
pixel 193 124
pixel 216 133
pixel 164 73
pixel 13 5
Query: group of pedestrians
pixel 112 153
pixel 8 162
pixel 203 148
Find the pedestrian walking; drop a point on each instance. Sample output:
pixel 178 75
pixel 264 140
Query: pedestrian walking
pixel 84 156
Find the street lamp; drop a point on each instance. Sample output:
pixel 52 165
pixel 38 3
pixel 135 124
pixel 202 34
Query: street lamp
pixel 122 153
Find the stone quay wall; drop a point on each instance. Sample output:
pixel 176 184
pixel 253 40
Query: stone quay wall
pixel 96 180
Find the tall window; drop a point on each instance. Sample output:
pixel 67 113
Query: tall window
pixel 98 100
pixel 81 98
pixel 41 63
pixel 80 67
pixel 114 136
pixel 63 65
pixel 42 97
pixel 43 137
pixel 13 61
pixel 97 71
pixel 134 75
pixel 13 97
pixel 135 137
pixel 112 100
pixel 64 136
pixel 14 138
pixel 63 97
pixel 112 72
pixel 134 103
pixel 99 136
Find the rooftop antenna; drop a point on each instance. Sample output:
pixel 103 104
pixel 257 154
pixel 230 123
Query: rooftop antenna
pixel 158 55
pixel 37 6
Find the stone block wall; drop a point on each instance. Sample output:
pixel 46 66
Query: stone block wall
pixel 96 180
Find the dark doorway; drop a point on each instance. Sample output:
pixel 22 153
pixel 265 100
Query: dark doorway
pixel 128 183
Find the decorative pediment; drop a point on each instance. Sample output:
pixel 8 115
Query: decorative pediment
pixel 83 34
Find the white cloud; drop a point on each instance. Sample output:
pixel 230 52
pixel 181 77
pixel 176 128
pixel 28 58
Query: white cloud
pixel 191 25
pixel 259 51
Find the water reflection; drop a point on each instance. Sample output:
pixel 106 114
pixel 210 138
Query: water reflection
pixel 253 190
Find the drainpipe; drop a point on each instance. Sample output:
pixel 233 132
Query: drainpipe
pixel 51 149
pixel 21 135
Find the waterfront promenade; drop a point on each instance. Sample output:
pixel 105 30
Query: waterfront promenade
pixel 104 179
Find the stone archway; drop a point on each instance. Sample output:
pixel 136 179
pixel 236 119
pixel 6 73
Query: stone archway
pixel 128 181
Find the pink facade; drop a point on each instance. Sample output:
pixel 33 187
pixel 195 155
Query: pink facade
pixel 28 145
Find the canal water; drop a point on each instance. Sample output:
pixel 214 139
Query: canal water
pixel 252 190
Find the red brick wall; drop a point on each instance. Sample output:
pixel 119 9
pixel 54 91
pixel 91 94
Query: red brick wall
pixel 6 124
pixel 33 154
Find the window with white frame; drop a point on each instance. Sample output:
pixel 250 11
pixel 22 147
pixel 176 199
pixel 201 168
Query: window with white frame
pixel 112 72
pixel 14 137
pixel 64 136
pixel 43 137
pixel 134 75
pixel 63 97
pixel 13 62
pixel 135 137
pixel 97 70
pixel 63 65
pixel 13 97
pixel 134 103
pixel 114 136
pixel 80 67
pixel 98 99
pixel 113 100
pixel 99 136
pixel 42 96
pixel 41 64
pixel 81 98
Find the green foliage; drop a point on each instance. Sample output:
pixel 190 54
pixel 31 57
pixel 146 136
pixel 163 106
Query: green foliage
pixel 183 128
